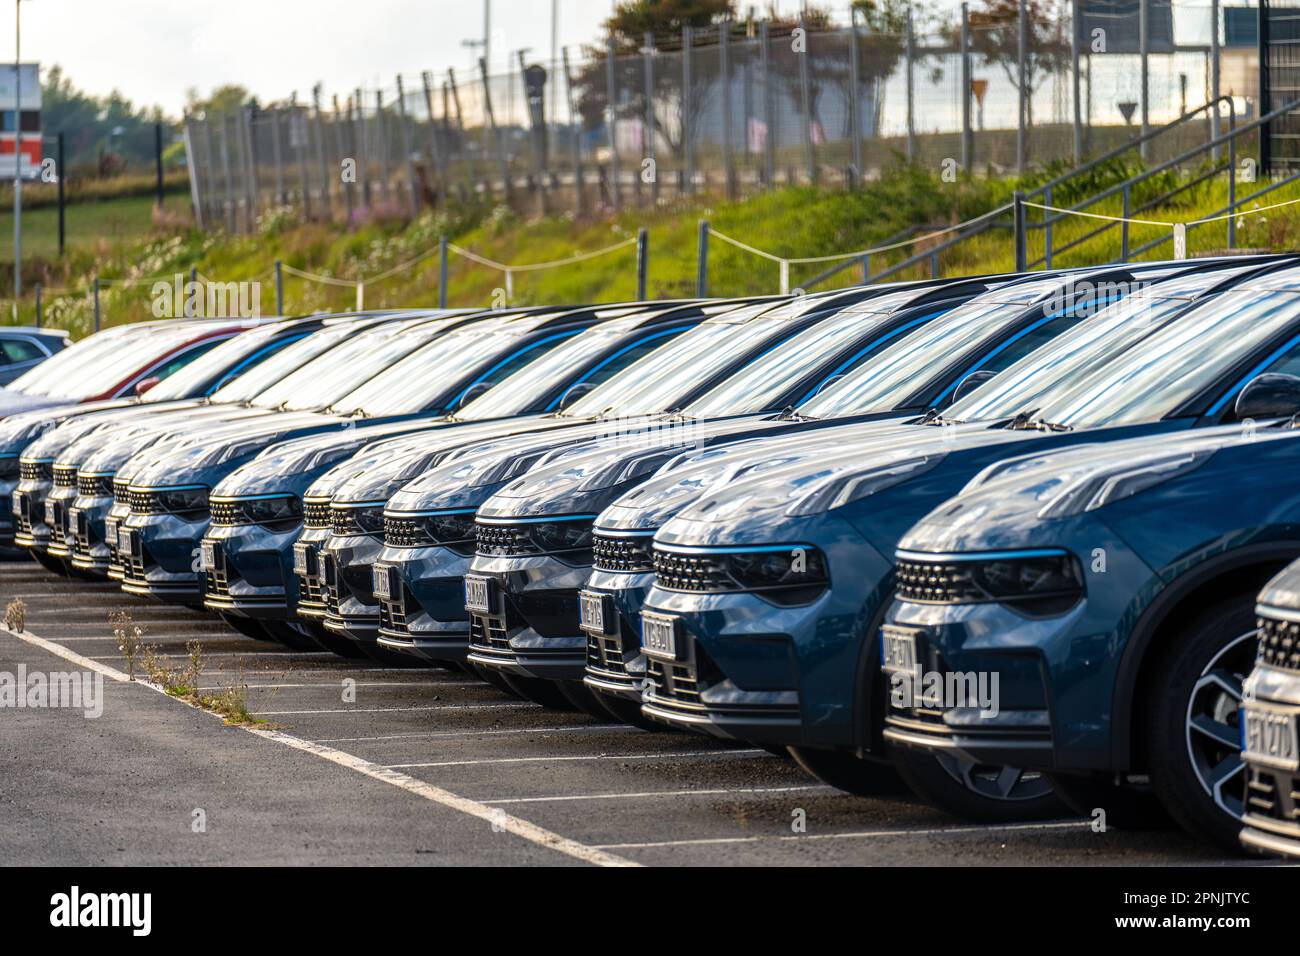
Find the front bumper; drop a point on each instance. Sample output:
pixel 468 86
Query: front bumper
pixel 251 572
pixel 616 667
pixel 424 614
pixel 91 551
pixel 8 519
pixel 58 504
pixel 27 505
pixel 532 628
pixel 160 557
pixel 1272 818
pixel 347 586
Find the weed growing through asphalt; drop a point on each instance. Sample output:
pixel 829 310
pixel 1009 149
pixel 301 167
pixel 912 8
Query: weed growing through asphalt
pixel 129 637
pixel 232 703
pixel 16 616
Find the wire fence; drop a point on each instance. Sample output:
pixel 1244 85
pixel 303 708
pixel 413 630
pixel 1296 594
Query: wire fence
pixel 732 110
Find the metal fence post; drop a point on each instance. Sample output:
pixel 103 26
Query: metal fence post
pixel 688 145
pixel 39 311
pixel 502 162
pixel 642 262
pixel 58 159
pixel 250 162
pixel 1018 220
pixel 1022 81
pixel 344 187
pixel 611 113
pixel 361 143
pixel 1232 192
pixel 228 193
pixel 436 166
pixel 1214 76
pixel 724 68
pixel 326 201
pixel 648 78
pixel 1144 48
pixel 702 261
pixel 769 105
pixel 381 134
pixel 855 98
pixel 276 158
pixel 279 287
pixel 405 122
pixel 910 54
pixel 967 134
pixel 805 103
pixel 471 167
pixel 298 119
pixel 442 272
pixel 192 167
pixel 1076 83
pixel 95 292
pixel 579 203
pixel 1123 231
pixel 1047 228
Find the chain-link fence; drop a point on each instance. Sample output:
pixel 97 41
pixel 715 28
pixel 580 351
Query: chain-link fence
pixel 736 109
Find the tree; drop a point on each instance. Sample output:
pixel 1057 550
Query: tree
pixel 995 36
pixel 106 127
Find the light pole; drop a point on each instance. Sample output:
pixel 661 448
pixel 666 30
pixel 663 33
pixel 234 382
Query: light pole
pixel 18 153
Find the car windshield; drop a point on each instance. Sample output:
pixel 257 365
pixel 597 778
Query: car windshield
pixel 194 379
pixel 761 383
pixel 75 356
pixel 322 382
pixel 1176 364
pixel 123 361
pixel 658 382
pixel 430 377
pixel 882 381
pixel 526 387
pixel 1103 337
pixel 262 376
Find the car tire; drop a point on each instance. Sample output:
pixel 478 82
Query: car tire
pixel 544 692
pixel 582 698
pixel 291 634
pixel 1194 695
pixel 976 792
pixel 245 626
pixel 845 770
pixel 49 563
pixel 1126 808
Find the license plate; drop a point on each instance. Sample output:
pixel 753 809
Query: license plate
pixel 51 514
pixel 17 505
pixel 110 531
pixel 383 576
pixel 1270 735
pixel 302 559
pixel 478 592
pixel 208 555
pixel 591 612
pixel 75 518
pixel 659 635
pixel 124 541
pixel 898 650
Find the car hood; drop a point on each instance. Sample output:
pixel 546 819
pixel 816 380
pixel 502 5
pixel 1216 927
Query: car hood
pixel 1000 507
pixel 189 459
pixel 653 502
pixel 87 435
pixel 17 431
pixel 584 477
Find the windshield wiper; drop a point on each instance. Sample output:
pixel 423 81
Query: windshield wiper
pixel 1026 422
pixel 933 417
pixel 791 414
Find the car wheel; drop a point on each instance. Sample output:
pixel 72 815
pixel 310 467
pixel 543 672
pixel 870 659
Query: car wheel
pixel 1126 808
pixel 246 626
pixel 581 697
pixel 846 771
pixel 984 793
pixel 1191 721
pixel 544 692
pixel 50 563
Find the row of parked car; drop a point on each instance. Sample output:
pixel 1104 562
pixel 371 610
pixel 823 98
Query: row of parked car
pixel 1019 539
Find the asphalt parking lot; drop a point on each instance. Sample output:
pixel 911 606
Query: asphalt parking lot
pixel 423 767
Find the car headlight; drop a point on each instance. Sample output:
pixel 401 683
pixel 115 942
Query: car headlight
pixel 366 519
pixel 785 574
pixel 1097 489
pixel 1037 583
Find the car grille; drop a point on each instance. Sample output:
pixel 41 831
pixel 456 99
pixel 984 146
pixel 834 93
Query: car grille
pixel 1274 794
pixel 56 528
pixel 95 486
pixel 219 574
pixel 121 494
pixel 489 633
pixel 691 572
pixel 35 470
pixel 934 583
pixel 316 514
pixel 503 540
pixel 623 553
pixel 406 533
pixel 605 653
pixel 1279 643
pixel 330 583
pixel 673 682
pixel 82 544
pixel 143 502
pixel 392 613
pixel 224 513
pixel 312 590
pixel 65 476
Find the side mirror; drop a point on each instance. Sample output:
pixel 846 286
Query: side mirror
pixel 473 392
pixel 575 392
pixel 1271 395
pixel 145 384
pixel 971 382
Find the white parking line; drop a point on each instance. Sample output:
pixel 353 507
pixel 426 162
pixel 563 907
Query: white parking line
pixel 499 819
pixel 852 835
pixel 332 685
pixel 608 728
pixel 249 655
pixel 662 793
pixel 567 758
pixel 385 710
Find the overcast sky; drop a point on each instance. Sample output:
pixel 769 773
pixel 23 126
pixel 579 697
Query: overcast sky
pixel 154 50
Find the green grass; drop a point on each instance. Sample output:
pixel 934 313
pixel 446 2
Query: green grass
pixel 89 225
pixel 794 222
